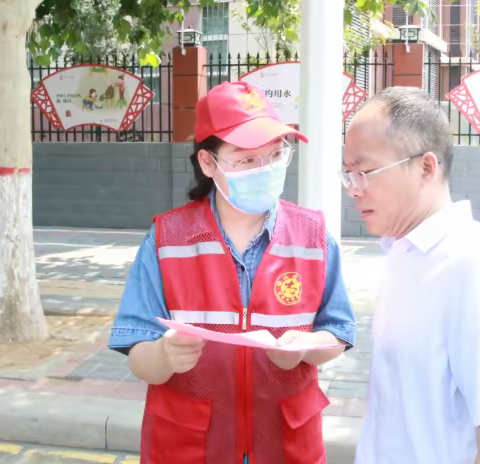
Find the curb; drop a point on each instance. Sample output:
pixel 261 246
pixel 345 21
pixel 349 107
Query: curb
pixel 70 421
pixel 86 312
pixel 62 305
pixel 114 425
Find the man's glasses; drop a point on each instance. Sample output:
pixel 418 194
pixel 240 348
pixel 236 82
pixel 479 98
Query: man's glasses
pixel 359 180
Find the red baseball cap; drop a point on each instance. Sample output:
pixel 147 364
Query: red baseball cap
pixel 240 114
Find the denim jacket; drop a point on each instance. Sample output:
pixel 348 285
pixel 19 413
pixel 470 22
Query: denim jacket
pixel 143 299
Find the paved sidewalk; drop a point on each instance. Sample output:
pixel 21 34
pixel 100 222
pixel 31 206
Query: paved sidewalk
pixel 89 399
pixel 83 271
pixel 20 453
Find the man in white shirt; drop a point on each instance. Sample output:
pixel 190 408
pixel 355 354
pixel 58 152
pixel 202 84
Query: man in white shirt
pixel 424 400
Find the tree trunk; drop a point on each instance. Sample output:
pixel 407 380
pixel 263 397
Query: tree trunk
pixel 21 315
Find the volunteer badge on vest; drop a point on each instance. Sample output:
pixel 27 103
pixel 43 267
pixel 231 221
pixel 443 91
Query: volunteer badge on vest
pixel 288 288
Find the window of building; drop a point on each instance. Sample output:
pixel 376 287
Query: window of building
pixel 432 25
pixel 400 17
pixel 431 71
pixel 473 30
pixel 455 29
pixel 215 30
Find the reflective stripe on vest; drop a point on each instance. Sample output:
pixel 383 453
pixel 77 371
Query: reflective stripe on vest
pixel 294 251
pixel 205 317
pixel 226 317
pixel 283 320
pixel 191 251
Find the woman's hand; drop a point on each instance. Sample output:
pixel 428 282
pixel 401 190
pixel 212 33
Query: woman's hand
pixel 155 362
pixel 182 352
pixel 289 359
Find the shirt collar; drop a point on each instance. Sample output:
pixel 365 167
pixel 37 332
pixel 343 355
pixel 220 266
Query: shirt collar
pixel 270 219
pixel 386 243
pixel 431 231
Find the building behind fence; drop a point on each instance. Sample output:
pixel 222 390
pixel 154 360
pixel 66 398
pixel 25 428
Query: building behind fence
pixel 372 71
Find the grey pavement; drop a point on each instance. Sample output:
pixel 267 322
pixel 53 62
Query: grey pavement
pixel 92 255
pixel 24 453
pixel 85 269
pixel 83 272
pixel 341 436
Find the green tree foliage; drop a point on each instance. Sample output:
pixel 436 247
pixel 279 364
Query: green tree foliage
pixel 280 20
pixel 98 27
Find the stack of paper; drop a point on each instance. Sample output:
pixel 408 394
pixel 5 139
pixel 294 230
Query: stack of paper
pixel 256 339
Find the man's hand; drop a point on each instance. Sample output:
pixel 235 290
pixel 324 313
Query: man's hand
pixel 289 359
pixel 182 352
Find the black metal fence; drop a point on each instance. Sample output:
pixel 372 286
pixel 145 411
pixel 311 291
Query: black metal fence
pixel 443 74
pixel 229 69
pixel 372 71
pixel 153 125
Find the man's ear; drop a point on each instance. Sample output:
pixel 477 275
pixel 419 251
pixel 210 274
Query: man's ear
pixel 430 165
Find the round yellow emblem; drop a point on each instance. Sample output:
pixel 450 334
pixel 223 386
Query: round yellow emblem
pixel 288 288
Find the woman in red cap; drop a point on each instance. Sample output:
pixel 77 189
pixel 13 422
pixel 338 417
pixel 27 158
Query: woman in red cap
pixel 236 258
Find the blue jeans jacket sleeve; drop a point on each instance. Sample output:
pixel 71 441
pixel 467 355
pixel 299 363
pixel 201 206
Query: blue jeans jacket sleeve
pixel 335 314
pixel 142 301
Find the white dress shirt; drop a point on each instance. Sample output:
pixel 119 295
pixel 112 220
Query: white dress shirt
pixel 424 399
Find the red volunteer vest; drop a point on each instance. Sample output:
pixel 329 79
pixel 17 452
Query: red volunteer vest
pixel 236 402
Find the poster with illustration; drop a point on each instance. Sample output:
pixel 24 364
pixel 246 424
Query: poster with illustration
pixel 281 84
pixel 466 98
pixel 92 95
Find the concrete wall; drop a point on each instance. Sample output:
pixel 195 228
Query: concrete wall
pixel 122 185
pixel 466 177
pixel 107 185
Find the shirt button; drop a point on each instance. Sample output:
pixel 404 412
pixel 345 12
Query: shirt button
pixel 242 268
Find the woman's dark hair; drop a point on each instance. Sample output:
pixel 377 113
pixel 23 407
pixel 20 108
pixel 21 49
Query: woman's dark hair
pixel 203 184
